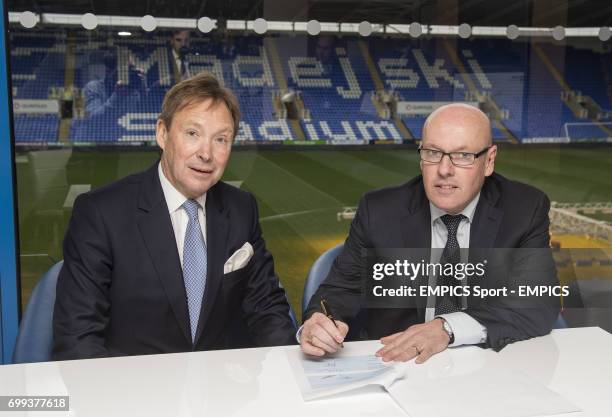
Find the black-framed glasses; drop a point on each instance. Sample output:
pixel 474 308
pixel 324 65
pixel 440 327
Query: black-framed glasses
pixel 460 159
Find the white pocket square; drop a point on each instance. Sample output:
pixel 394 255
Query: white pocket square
pixel 239 259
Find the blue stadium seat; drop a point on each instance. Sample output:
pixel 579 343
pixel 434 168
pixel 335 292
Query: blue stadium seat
pixel 35 338
pixel 318 272
pixel 585 72
pixel 40 128
pixel 560 323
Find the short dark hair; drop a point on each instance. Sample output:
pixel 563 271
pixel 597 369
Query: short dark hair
pixel 201 87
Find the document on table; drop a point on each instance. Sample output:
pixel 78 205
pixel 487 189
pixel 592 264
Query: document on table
pixel 320 377
pixel 422 391
pixel 487 392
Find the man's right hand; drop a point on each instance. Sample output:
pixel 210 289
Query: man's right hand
pixel 320 336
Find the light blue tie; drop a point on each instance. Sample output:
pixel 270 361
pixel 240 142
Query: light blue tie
pixel 194 264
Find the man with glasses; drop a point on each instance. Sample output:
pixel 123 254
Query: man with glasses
pixel 458 202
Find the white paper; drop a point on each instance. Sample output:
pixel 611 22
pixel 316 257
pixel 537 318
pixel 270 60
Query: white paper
pixel 341 364
pixel 484 393
pixel 321 377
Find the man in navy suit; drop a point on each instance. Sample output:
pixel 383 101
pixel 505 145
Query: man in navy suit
pixel 171 259
pixel 458 202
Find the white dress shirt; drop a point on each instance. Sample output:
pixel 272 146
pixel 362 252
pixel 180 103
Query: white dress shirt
pixel 466 329
pixel 178 215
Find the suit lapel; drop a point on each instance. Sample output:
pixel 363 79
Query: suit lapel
pixel 156 229
pixel 487 217
pixel 416 229
pixel 485 225
pixel 217 227
pixel 416 226
pixel 416 219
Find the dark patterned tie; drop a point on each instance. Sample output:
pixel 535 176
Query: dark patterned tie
pixel 450 255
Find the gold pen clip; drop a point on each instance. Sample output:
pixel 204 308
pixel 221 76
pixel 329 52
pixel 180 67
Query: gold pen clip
pixel 324 308
pixel 325 311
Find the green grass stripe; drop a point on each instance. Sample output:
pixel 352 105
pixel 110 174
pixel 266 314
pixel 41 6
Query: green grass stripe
pixel 345 163
pixel 343 188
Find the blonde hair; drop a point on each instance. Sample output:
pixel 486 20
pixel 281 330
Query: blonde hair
pixel 201 87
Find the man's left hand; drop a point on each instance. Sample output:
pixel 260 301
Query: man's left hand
pixel 420 341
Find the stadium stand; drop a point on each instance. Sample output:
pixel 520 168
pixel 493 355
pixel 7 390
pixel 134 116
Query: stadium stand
pixel 341 88
pixel 503 76
pixel 584 71
pixel 29 128
pixel 336 88
pixel 37 63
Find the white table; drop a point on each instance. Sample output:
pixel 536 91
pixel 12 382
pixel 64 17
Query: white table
pixel 577 363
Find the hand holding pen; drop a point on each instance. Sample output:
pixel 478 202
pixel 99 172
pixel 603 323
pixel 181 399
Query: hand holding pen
pixel 321 333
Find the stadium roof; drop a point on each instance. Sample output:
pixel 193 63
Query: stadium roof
pixel 569 13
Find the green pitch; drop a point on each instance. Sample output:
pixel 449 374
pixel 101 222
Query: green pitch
pixel 299 193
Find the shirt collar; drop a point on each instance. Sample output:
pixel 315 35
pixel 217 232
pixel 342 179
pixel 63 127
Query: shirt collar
pixel 468 211
pixel 174 198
